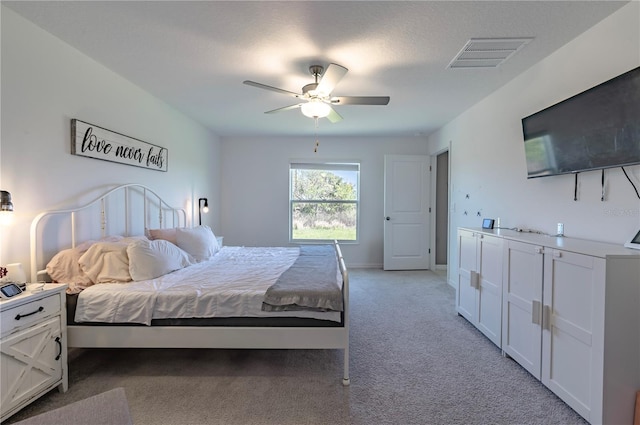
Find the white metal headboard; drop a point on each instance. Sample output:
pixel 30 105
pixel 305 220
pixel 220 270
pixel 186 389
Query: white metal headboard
pixel 178 217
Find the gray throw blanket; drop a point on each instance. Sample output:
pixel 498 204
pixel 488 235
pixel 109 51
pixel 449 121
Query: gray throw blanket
pixel 309 284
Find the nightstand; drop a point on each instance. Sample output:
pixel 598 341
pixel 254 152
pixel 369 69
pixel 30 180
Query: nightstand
pixel 33 347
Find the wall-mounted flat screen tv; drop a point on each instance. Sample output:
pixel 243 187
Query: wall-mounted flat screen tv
pixel 596 129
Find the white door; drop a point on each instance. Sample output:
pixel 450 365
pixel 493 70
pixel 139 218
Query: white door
pixel 406 212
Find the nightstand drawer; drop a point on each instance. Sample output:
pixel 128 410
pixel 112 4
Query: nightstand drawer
pixel 27 314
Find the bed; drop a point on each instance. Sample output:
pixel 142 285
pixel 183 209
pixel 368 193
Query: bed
pixel 180 292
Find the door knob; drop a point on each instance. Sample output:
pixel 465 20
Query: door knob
pixel 387 218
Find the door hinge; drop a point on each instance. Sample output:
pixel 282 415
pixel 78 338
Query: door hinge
pixel 429 168
pixel 429 250
pixel 429 209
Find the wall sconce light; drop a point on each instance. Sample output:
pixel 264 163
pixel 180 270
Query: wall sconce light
pixel 202 209
pixel 6 208
pixel 5 201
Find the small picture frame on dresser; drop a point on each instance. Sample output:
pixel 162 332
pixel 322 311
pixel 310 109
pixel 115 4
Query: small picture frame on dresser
pixel 634 242
pixel 487 223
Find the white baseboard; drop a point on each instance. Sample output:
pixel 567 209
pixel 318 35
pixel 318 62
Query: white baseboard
pixel 364 266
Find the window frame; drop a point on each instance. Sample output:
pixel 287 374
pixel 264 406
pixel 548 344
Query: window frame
pixel 328 165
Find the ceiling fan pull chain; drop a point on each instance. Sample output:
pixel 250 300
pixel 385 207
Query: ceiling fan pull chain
pixel 315 149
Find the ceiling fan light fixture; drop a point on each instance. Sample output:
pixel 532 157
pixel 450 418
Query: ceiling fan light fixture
pixel 316 99
pixel 315 109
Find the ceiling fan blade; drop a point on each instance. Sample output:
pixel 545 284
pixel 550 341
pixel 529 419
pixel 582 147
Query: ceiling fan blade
pixel 285 108
pixel 266 87
pixel 334 117
pixel 360 100
pixel 330 79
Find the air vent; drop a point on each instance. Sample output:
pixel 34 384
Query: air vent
pixel 487 52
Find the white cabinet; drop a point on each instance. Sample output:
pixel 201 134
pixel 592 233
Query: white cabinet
pixel 573 329
pixel 479 286
pixel 522 304
pixel 33 347
pixel 571 317
pixel 553 316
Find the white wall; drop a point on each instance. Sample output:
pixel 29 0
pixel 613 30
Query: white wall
pixel 255 191
pixel 46 83
pixel 487 153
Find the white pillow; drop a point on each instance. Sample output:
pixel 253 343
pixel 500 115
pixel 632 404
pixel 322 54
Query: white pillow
pixel 151 259
pixel 106 262
pixel 199 241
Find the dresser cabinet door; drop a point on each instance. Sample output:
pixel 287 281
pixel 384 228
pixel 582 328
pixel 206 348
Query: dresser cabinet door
pixel 466 290
pixel 30 361
pixel 489 308
pixel 522 304
pixel 573 327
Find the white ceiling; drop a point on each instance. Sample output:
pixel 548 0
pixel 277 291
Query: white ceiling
pixel 195 55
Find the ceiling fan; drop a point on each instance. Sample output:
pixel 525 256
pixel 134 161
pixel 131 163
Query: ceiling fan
pixel 318 102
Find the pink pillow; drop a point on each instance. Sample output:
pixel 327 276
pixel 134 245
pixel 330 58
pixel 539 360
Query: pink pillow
pixel 64 267
pixel 106 262
pixel 166 234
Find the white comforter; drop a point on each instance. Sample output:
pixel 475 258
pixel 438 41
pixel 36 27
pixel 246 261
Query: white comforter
pixel 231 284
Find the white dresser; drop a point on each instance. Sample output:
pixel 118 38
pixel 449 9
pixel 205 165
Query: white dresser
pixel 33 347
pixel 570 313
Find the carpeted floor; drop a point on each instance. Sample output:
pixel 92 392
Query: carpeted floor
pixel 413 361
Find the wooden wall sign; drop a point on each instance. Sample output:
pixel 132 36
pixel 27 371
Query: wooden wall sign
pixel 99 143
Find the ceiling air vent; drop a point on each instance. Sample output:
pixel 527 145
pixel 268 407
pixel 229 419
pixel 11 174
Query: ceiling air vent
pixel 487 52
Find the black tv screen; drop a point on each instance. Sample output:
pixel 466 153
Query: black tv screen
pixel 596 129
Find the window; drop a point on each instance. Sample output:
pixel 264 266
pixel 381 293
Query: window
pixel 323 201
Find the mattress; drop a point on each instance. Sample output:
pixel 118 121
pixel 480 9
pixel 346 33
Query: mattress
pixel 231 284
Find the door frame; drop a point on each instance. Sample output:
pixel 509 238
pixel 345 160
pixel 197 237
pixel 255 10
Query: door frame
pixel 433 201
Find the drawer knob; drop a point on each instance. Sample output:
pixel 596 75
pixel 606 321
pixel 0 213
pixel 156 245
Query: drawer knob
pixel 20 316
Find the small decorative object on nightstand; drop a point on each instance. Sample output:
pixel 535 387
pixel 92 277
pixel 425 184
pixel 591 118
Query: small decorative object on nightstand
pixel 33 346
pixel 13 273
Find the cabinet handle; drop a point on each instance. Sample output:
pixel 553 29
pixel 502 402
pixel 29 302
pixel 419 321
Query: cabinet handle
pixel 557 254
pixel 546 317
pixel 536 312
pixel 538 250
pixel 59 347
pixel 20 316
pixel 474 280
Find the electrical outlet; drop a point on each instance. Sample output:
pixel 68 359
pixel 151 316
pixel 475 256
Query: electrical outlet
pixel 560 231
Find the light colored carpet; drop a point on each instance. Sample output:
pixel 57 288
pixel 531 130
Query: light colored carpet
pixel 413 361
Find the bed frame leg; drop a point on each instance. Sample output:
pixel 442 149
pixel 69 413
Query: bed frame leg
pixel 345 378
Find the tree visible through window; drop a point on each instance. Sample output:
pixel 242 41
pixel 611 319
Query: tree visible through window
pixel 323 201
